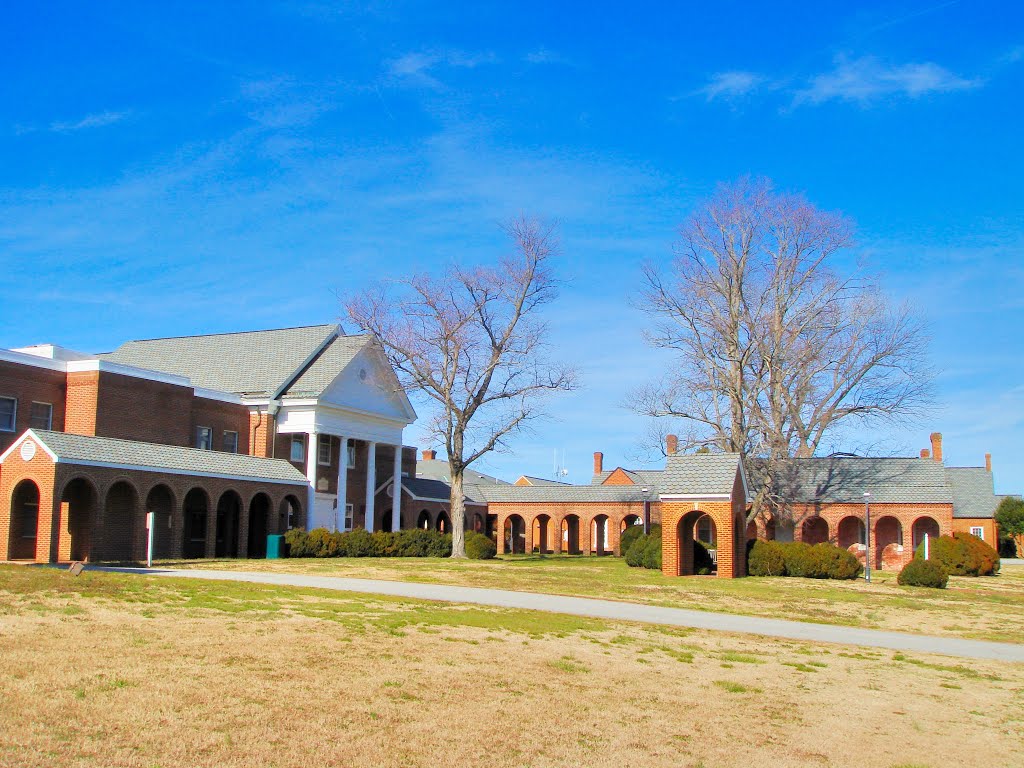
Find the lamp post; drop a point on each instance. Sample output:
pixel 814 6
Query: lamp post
pixel 867 537
pixel 647 510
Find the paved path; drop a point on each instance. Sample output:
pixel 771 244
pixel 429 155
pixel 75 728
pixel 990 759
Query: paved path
pixel 611 609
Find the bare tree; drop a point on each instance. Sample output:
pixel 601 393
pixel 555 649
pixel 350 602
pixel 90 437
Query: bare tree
pixel 472 341
pixel 775 349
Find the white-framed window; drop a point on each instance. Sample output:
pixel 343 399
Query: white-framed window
pixel 349 510
pixel 41 416
pixel 323 453
pixel 351 453
pixel 8 414
pixel 204 438
pixel 298 451
pixel 977 530
pixel 230 441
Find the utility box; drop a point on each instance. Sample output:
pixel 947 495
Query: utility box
pixel 277 547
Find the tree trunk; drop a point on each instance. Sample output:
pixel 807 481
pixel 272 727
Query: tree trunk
pixel 458 504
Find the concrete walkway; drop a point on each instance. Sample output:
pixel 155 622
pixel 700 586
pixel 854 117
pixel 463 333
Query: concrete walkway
pixel 619 611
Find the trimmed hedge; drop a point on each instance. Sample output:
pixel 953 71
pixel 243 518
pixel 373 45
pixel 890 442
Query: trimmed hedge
pixel 923 573
pixel 797 558
pixel 645 550
pixel 480 547
pixel 631 534
pixel 961 555
pixel 414 542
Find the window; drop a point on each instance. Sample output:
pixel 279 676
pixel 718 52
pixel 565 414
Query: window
pixel 204 438
pixel 977 530
pixel 8 413
pixel 348 517
pixel 351 456
pixel 41 416
pixel 298 448
pixel 324 451
pixel 230 441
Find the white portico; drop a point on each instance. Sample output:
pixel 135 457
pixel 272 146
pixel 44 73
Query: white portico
pixel 345 415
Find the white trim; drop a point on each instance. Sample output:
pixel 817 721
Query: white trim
pixel 23 358
pixel 693 496
pixel 17 444
pixel 340 410
pixel 213 394
pixel 104 366
pixel 169 471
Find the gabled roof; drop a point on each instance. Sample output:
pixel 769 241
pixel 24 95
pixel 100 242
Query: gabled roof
pixel 438 469
pixel 845 479
pixel 651 478
pixel 324 369
pixel 700 474
pixel 973 492
pixel 562 493
pixel 531 480
pixel 257 363
pixel 153 457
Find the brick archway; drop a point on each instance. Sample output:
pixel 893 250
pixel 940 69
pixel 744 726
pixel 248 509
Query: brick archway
pixel 161 502
pixel 570 535
pixel 678 533
pixel 79 508
pixel 24 528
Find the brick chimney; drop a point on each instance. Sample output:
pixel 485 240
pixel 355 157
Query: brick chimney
pixel 671 444
pixel 937 446
pixel 429 454
pixel 988 462
pixel 925 453
pixel 598 462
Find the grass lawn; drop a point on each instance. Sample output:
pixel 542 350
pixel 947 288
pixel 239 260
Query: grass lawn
pixel 979 608
pixel 106 669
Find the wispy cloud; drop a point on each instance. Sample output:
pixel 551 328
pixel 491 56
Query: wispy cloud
pixel 732 84
pixel 417 67
pixel 546 56
pixel 95 120
pixel 868 78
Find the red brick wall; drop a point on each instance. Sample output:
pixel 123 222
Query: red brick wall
pixel 559 511
pixel 140 409
pixel 987 524
pixel 26 383
pixel 221 416
pixel 41 470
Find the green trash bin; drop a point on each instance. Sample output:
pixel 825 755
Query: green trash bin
pixel 277 547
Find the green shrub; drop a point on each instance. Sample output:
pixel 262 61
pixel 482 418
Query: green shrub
pixel 652 553
pixel 766 559
pixel 361 543
pixel 799 559
pixel 635 553
pixel 631 534
pixel 923 573
pixel 645 550
pixel 480 547
pixel 835 562
pixel 961 555
pixel 298 543
pixel 358 542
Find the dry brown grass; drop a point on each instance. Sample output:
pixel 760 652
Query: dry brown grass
pixel 110 670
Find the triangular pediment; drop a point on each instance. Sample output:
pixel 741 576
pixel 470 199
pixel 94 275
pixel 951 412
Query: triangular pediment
pixel 619 476
pixel 369 385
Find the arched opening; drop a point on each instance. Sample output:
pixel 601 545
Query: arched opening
pixel 707 532
pixel 259 514
pixel 814 530
pixel 769 529
pixel 195 510
pixel 423 520
pixel 571 534
pixel 751 530
pixel 629 520
pixel 888 543
pixel 542 534
pixel 600 543
pixel 80 498
pixel 479 524
pixel 515 535
pixel 24 521
pixel 120 518
pixel 289 515
pixel 160 501
pixel 922 526
pixel 229 517
pixel 851 533
pixel 687 534
pixel 443 523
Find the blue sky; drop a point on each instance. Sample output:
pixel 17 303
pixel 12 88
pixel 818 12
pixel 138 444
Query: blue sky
pixel 212 167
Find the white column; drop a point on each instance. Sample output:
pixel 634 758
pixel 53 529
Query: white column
pixel 342 483
pixel 311 457
pixel 371 482
pixel 396 487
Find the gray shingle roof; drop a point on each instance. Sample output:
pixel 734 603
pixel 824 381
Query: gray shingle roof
pixel 973 492
pixel 437 469
pixel 152 457
pixel 845 479
pixel 700 473
pixel 651 478
pixel 561 493
pixel 543 481
pixel 439 490
pixel 254 362
pixel 319 375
